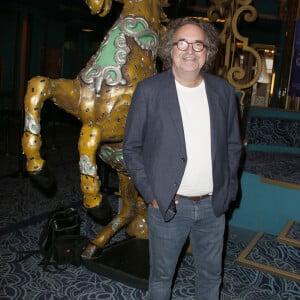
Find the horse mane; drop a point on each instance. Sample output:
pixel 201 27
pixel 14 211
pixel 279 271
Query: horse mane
pixel 164 17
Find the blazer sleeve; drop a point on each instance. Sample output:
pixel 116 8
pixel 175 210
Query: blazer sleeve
pixel 133 142
pixel 234 143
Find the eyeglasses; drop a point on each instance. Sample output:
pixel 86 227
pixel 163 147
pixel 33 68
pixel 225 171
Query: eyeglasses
pixel 184 45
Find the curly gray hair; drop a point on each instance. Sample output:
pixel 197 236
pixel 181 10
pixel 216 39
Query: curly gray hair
pixel 166 43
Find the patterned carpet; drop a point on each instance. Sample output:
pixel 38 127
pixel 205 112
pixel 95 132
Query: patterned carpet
pixel 280 166
pixel 24 210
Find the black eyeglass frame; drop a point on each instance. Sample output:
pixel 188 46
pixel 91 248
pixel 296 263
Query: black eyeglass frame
pixel 190 43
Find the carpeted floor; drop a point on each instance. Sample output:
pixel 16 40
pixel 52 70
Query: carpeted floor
pixel 24 210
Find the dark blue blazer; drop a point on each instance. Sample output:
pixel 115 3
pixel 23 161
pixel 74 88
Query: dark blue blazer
pixel 154 145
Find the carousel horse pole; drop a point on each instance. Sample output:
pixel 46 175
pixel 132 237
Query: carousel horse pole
pixel 99 97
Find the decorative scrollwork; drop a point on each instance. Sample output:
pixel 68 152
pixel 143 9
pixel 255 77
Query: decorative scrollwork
pixel 98 70
pixel 87 167
pixel 138 28
pixel 31 124
pixel 231 11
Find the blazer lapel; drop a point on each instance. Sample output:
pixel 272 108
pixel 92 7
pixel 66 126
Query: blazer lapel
pixel 212 99
pixel 169 96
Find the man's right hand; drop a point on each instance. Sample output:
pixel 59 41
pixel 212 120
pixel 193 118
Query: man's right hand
pixel 154 203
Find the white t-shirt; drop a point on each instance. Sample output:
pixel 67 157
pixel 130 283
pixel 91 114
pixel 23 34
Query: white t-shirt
pixel 197 179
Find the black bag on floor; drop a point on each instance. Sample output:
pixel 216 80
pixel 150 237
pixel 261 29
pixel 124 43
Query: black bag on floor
pixel 60 241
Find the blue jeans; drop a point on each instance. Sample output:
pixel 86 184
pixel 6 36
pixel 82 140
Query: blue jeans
pixel 196 220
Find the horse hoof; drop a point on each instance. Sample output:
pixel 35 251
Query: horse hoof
pixel 44 181
pixel 91 252
pixel 102 213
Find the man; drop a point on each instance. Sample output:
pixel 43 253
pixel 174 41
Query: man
pixel 182 149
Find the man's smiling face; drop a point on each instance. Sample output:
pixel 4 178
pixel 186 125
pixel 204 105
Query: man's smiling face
pixel 189 60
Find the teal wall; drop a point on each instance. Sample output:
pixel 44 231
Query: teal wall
pixel 265 207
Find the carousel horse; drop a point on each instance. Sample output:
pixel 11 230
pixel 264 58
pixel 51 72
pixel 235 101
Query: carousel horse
pixel 100 97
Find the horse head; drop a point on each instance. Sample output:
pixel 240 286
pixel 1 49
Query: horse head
pixel 150 9
pixel 100 7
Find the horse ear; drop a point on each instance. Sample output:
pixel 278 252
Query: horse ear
pixel 44 181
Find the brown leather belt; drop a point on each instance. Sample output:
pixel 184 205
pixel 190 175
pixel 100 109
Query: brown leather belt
pixel 193 198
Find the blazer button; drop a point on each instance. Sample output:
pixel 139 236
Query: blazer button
pixel 175 184
pixel 183 159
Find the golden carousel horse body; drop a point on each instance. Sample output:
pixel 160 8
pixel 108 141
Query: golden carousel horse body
pixel 100 97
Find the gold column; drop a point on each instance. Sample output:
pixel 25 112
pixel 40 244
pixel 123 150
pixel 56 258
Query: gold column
pixel 293 13
pixel 232 12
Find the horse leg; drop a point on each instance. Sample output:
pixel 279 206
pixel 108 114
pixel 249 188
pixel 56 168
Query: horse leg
pixel 127 214
pixel 138 227
pixel 96 204
pixel 38 90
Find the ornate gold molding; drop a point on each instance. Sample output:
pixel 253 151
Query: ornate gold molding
pixel 231 12
pixel 244 260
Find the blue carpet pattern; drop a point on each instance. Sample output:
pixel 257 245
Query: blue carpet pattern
pixel 280 166
pixel 27 280
pixel 271 252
